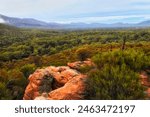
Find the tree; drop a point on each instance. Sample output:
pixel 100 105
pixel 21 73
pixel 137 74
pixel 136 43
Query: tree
pixel 124 41
pixel 82 54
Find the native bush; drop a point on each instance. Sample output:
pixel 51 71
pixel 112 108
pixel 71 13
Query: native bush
pixel 116 76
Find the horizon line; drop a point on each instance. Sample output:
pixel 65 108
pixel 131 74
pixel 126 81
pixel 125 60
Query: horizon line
pixel 90 20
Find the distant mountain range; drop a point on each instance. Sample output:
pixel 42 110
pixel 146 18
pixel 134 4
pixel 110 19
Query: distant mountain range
pixel 33 23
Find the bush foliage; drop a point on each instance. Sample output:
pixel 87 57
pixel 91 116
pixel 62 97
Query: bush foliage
pixel 117 75
pixel 24 50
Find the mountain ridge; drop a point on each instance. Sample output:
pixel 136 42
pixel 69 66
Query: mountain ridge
pixel 34 23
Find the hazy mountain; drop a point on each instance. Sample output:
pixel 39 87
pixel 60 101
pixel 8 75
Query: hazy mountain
pixel 33 23
pixel 145 23
pixel 26 22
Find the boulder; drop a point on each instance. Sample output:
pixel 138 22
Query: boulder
pixel 77 65
pixel 58 83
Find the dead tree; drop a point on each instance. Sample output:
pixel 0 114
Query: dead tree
pixel 124 42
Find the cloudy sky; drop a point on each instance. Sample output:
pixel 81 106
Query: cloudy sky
pixel 89 11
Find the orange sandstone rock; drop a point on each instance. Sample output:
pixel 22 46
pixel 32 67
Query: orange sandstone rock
pixel 58 83
pixel 78 64
pixel 74 89
pixel 145 82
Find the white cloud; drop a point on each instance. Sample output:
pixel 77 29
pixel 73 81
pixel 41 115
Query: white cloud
pixel 32 7
pixel 1 20
pixel 60 9
pixel 105 19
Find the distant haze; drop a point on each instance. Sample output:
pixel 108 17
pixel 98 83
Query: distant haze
pixel 35 23
pixel 1 20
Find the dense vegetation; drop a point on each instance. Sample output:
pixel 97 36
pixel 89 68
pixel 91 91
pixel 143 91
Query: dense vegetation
pixel 24 50
pixel 117 74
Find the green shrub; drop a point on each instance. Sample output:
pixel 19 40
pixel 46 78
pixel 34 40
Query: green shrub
pixel 28 69
pixel 4 92
pixel 82 54
pixel 116 76
pixel 85 69
pixel 136 60
pixel 116 82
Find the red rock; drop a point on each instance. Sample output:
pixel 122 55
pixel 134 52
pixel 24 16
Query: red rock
pixel 60 83
pixel 148 92
pixel 78 64
pixel 64 82
pixel 40 81
pixel 44 96
pixel 145 81
pixel 73 90
pixel 75 65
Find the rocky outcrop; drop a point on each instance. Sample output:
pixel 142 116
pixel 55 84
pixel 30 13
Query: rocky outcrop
pixel 77 65
pixel 145 80
pixel 65 82
pixel 58 83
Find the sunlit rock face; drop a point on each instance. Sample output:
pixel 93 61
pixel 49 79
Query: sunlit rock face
pixel 58 83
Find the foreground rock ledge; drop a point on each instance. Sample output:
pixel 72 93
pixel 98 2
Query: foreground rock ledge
pixel 65 83
pixel 58 83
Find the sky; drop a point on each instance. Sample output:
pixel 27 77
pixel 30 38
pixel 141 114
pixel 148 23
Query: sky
pixel 72 11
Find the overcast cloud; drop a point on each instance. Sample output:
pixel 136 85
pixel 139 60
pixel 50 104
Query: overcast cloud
pixel 78 10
